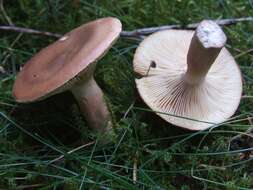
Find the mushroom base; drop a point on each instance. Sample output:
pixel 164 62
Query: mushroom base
pixel 91 102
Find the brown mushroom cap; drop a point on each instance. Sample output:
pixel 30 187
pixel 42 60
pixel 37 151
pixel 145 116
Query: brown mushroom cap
pixel 54 66
pixel 161 60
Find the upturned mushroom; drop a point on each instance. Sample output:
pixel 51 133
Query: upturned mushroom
pixel 189 78
pixel 68 64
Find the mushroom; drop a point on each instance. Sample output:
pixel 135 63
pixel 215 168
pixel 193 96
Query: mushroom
pixel 189 78
pixel 68 64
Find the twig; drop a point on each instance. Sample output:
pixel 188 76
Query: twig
pixel 146 31
pixel 135 168
pixel 135 34
pixel 246 96
pixel 29 31
pixel 71 151
pixel 244 53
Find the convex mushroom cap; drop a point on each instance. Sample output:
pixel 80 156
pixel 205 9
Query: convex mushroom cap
pixel 189 78
pixel 68 64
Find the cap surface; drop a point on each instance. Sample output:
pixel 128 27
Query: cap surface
pixel 61 61
pixel 161 60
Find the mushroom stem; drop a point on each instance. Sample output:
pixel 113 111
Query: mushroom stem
pixel 205 46
pixel 91 102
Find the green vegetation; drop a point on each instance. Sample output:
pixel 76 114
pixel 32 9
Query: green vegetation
pixel 166 157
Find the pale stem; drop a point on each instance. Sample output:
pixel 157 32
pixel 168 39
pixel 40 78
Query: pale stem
pixel 92 104
pixel 205 46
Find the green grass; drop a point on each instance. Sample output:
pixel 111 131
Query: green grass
pixel 167 157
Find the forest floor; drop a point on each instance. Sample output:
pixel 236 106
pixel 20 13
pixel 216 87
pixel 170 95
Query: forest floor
pixel 160 155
